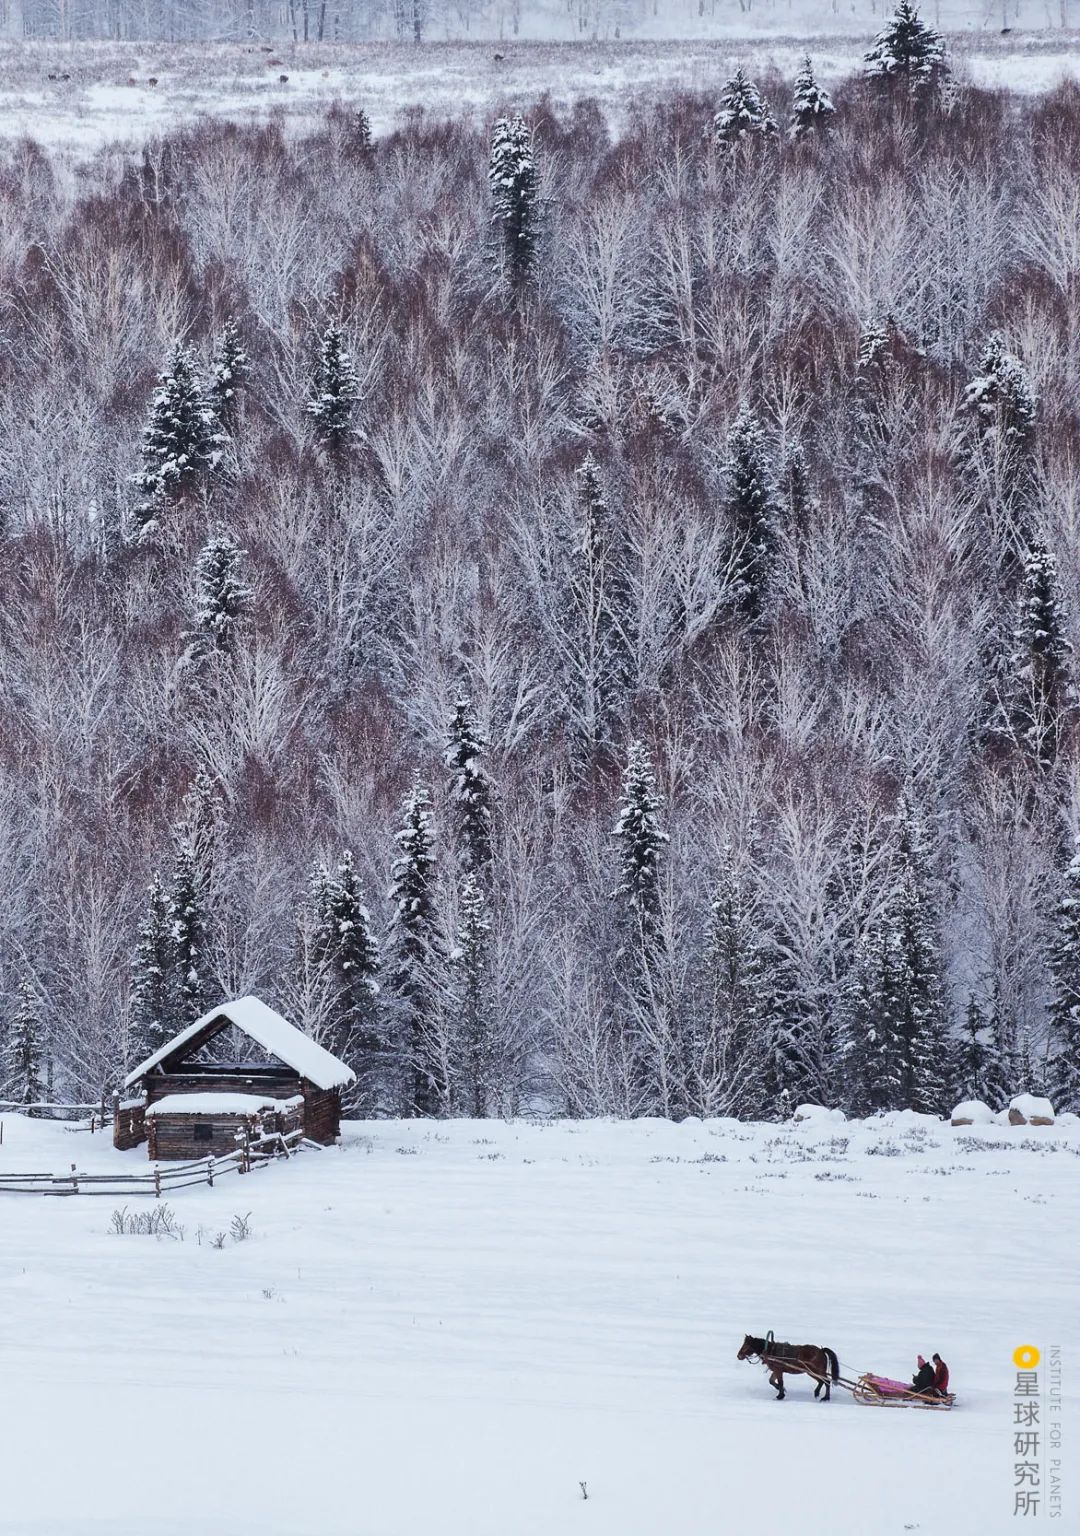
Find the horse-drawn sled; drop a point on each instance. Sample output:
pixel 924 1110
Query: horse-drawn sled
pixel 822 1366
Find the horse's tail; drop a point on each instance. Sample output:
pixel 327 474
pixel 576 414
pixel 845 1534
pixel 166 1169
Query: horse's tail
pixel 834 1364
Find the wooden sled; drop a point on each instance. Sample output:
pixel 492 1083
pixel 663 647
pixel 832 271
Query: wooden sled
pixel 880 1392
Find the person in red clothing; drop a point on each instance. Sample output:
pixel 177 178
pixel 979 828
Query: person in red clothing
pixel 941 1376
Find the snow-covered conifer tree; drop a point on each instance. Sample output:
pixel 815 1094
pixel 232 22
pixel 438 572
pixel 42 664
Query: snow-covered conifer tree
pixel 743 113
pixel 153 1003
pixel 1039 704
pixel 228 375
pixel 335 392
pixel 906 50
pixel 344 940
pixel 182 440
pixel 412 954
pixel 24 1069
pixel 360 140
pixel 596 640
pixel 222 601
pixel 811 107
pixel 1063 1068
pixel 515 199
pixel 188 936
pixel 470 787
pixel 751 511
pixel 640 840
pixel 976 1071
pixel 729 1046
pixel 476 1056
pixel 1004 408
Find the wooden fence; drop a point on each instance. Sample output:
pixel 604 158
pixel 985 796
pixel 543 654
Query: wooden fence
pixel 157 1181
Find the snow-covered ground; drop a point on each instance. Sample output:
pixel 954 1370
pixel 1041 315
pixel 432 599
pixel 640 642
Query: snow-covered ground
pixel 108 96
pixel 451 1327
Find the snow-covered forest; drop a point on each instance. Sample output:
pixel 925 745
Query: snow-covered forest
pixel 569 622
pixel 312 21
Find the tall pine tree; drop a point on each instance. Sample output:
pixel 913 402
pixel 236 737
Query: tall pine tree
pixel 515 198
pixel 25 1070
pixel 335 393
pixel 728 1047
pixel 476 1066
pixel 811 107
pixel 907 52
pixel 413 951
pixel 1063 1071
pixel 153 993
pixel 228 375
pixel 182 440
pixel 751 512
pixel 743 113
pixel 188 936
pixel 344 941
pixel 470 787
pixel 1038 709
pixel 222 601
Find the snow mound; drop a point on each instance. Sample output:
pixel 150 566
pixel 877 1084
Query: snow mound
pixel 1029 1109
pixel 817 1114
pixel 1068 1118
pixel 902 1119
pixel 973 1112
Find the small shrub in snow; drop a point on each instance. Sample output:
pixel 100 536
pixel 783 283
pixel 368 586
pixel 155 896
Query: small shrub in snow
pixel 827 1176
pixel 240 1228
pixel 219 1239
pixel 407 1151
pixel 159 1221
pixel 884 1149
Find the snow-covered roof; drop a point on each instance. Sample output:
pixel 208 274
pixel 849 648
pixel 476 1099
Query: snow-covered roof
pixel 209 1104
pixel 269 1030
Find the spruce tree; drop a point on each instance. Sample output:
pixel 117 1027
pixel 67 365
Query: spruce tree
pixel 743 114
pixel 641 840
pixel 869 1046
pixel 153 1011
pixel 228 375
pixel 344 941
pixel 24 1078
pixel 1003 407
pixel 976 1071
pixel 413 949
pixel 222 601
pixel 1039 707
pixel 1063 1070
pixel 360 142
pixel 188 936
pixel 811 107
pixel 598 619
pixel 335 393
pixel 751 512
pixel 1001 396
pixel 906 51
pixel 182 440
pixel 470 787
pixel 515 199
pixel 476 1063
pixel 729 1047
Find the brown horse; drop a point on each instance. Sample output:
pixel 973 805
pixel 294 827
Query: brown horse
pixel 792 1360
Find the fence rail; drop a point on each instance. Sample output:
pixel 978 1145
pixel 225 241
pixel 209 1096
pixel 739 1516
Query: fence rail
pixel 158 1181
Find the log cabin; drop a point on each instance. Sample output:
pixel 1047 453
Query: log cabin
pixel 189 1100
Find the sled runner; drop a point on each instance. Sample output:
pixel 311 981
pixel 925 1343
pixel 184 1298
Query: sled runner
pixel 881 1392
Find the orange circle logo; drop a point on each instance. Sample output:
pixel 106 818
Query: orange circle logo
pixel 1027 1357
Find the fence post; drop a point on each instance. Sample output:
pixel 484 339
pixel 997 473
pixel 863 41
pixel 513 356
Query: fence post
pixel 210 1171
pixel 74 1180
pixel 157 1183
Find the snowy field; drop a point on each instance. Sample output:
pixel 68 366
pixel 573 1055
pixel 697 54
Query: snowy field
pixel 449 1327
pixel 108 97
